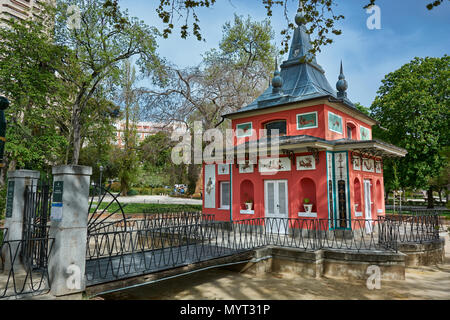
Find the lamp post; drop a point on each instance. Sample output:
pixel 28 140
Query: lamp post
pixel 4 104
pixel 100 184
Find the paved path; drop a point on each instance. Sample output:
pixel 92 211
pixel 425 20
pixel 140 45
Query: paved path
pixel 421 283
pixel 155 199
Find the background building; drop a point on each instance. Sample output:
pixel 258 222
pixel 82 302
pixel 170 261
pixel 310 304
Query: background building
pixel 145 129
pixel 19 9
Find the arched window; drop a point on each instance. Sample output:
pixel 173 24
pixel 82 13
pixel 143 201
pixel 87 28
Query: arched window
pixel 279 125
pixel 308 191
pixel 357 196
pixel 351 131
pixel 246 193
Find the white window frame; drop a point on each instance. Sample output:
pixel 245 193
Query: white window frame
pixel 342 122
pixel 368 130
pixel 245 135
pixel 302 114
pixel 222 206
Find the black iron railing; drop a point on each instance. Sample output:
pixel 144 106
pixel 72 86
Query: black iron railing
pixel 19 276
pixel 36 223
pixel 151 245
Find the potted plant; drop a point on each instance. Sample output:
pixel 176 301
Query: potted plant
pixel 307 205
pixel 249 205
pixel 356 207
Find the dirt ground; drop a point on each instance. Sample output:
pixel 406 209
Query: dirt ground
pixel 218 284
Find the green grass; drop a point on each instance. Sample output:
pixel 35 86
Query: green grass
pixel 441 213
pixel 149 208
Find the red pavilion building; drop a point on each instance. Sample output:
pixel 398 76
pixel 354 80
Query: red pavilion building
pixel 329 166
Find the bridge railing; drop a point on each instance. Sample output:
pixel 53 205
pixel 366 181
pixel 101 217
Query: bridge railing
pixel 149 247
pixel 151 221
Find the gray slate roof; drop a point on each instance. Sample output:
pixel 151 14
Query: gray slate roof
pixel 303 78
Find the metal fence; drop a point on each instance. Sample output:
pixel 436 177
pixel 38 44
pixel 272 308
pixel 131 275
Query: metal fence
pixel 152 245
pixel 35 223
pixel 413 229
pixel 19 276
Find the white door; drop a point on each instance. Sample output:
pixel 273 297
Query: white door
pixel 276 206
pixel 368 205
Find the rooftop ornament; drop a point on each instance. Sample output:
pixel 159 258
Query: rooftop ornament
pixel 277 81
pixel 342 85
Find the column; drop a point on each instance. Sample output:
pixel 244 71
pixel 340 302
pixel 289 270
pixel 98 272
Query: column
pixel 70 205
pixel 14 215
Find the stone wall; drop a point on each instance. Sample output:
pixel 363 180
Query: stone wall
pixel 423 254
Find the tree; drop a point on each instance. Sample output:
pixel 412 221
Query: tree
pixel 362 108
pixel 318 13
pixel 412 104
pixel 228 78
pixel 441 183
pixel 37 115
pixel 155 154
pixel 106 37
pixel 127 157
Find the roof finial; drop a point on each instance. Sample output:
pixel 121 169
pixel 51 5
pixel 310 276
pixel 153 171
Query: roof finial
pixel 277 81
pixel 342 84
pixel 299 18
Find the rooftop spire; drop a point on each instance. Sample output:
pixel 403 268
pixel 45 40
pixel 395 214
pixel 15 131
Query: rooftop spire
pixel 301 42
pixel 277 81
pixel 299 18
pixel 342 84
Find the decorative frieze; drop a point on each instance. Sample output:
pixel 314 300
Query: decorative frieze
pixel 378 167
pixel 306 163
pixel 274 165
pixel 223 169
pixel 368 165
pixel 356 163
pixel 246 168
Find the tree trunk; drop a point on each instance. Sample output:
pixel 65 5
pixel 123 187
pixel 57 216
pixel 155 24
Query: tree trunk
pixel 76 127
pixel 430 198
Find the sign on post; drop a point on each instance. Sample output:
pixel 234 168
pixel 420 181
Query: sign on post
pixel 10 199
pixel 57 203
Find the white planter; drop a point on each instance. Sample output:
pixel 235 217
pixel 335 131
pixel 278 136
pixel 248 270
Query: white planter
pixel 308 208
pixel 249 206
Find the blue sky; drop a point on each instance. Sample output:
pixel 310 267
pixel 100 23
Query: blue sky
pixel 408 30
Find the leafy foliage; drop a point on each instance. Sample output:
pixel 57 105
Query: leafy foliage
pixel 318 13
pixel 37 115
pixel 107 36
pixel 412 104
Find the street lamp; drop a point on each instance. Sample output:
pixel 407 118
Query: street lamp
pixel 4 104
pixel 100 184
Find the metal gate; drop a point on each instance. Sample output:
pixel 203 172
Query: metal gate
pixel 35 249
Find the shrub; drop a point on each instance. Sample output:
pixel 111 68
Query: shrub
pixel 145 191
pixel 115 187
pixel 132 193
pixel 158 191
pixel 2 202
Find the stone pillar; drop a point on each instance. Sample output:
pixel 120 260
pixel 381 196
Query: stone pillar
pixel 15 207
pixel 69 216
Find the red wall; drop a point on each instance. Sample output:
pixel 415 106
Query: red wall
pixel 290 116
pixel 253 183
pixel 377 191
pixel 295 192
